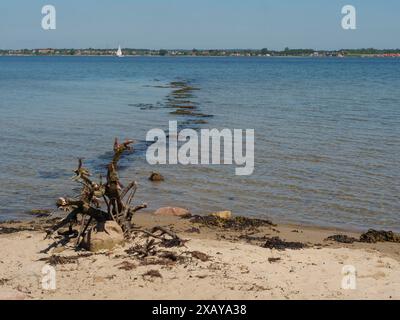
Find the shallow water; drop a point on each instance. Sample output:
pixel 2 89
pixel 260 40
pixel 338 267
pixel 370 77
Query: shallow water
pixel 327 133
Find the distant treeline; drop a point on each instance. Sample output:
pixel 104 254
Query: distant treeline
pixel 200 52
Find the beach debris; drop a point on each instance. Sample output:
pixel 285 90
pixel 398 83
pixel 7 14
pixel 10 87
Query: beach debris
pixel 256 287
pixel 173 211
pixel 172 241
pixel 9 230
pixel 126 265
pixel 152 274
pixel 373 236
pixel 156 177
pixel 341 238
pixel 199 255
pixel 169 255
pixel 252 238
pixel 272 260
pixel 155 240
pixel 236 223
pixel 40 213
pixel 142 251
pixel 39 224
pixel 222 214
pixel 164 258
pixel 57 260
pixel 95 195
pixel 279 244
pixel 193 230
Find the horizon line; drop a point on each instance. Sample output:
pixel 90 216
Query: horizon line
pixel 198 49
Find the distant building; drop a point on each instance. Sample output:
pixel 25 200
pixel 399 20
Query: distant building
pixel 45 51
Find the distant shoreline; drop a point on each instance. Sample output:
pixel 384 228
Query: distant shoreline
pixel 130 52
pixel 188 56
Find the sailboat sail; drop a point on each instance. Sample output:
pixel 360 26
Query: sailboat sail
pixel 119 52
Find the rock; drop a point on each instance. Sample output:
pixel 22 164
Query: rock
pixel 222 214
pixel 11 294
pixel 104 236
pixel 173 211
pixel 156 177
pixel 59 250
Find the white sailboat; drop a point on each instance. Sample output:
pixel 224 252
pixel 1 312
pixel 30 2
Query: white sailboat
pixel 119 52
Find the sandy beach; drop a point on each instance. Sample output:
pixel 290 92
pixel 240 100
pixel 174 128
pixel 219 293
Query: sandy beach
pixel 214 263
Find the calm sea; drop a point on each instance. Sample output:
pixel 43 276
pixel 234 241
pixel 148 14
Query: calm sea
pixel 327 133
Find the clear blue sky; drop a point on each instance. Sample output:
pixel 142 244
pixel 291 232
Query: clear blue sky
pixel 188 24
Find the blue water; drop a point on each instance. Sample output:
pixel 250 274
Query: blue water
pixel 327 133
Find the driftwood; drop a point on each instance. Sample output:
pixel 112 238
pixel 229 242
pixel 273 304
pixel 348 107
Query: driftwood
pixel 115 198
pixel 99 202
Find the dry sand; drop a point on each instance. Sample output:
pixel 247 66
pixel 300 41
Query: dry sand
pixel 236 269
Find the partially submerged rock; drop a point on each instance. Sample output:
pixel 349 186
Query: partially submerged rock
pixel 156 177
pixel 193 122
pixel 173 211
pixel 188 112
pixel 183 107
pixel 373 236
pixel 103 236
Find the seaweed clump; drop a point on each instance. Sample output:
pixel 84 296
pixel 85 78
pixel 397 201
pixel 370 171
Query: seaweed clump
pixel 39 224
pixel 373 236
pixel 57 260
pixel 341 238
pixel 236 223
pixel 180 99
pixel 279 244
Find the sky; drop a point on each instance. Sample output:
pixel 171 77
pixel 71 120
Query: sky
pixel 201 24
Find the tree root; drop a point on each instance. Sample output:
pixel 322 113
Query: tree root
pixel 98 202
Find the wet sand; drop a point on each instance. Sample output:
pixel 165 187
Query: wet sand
pixel 215 263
